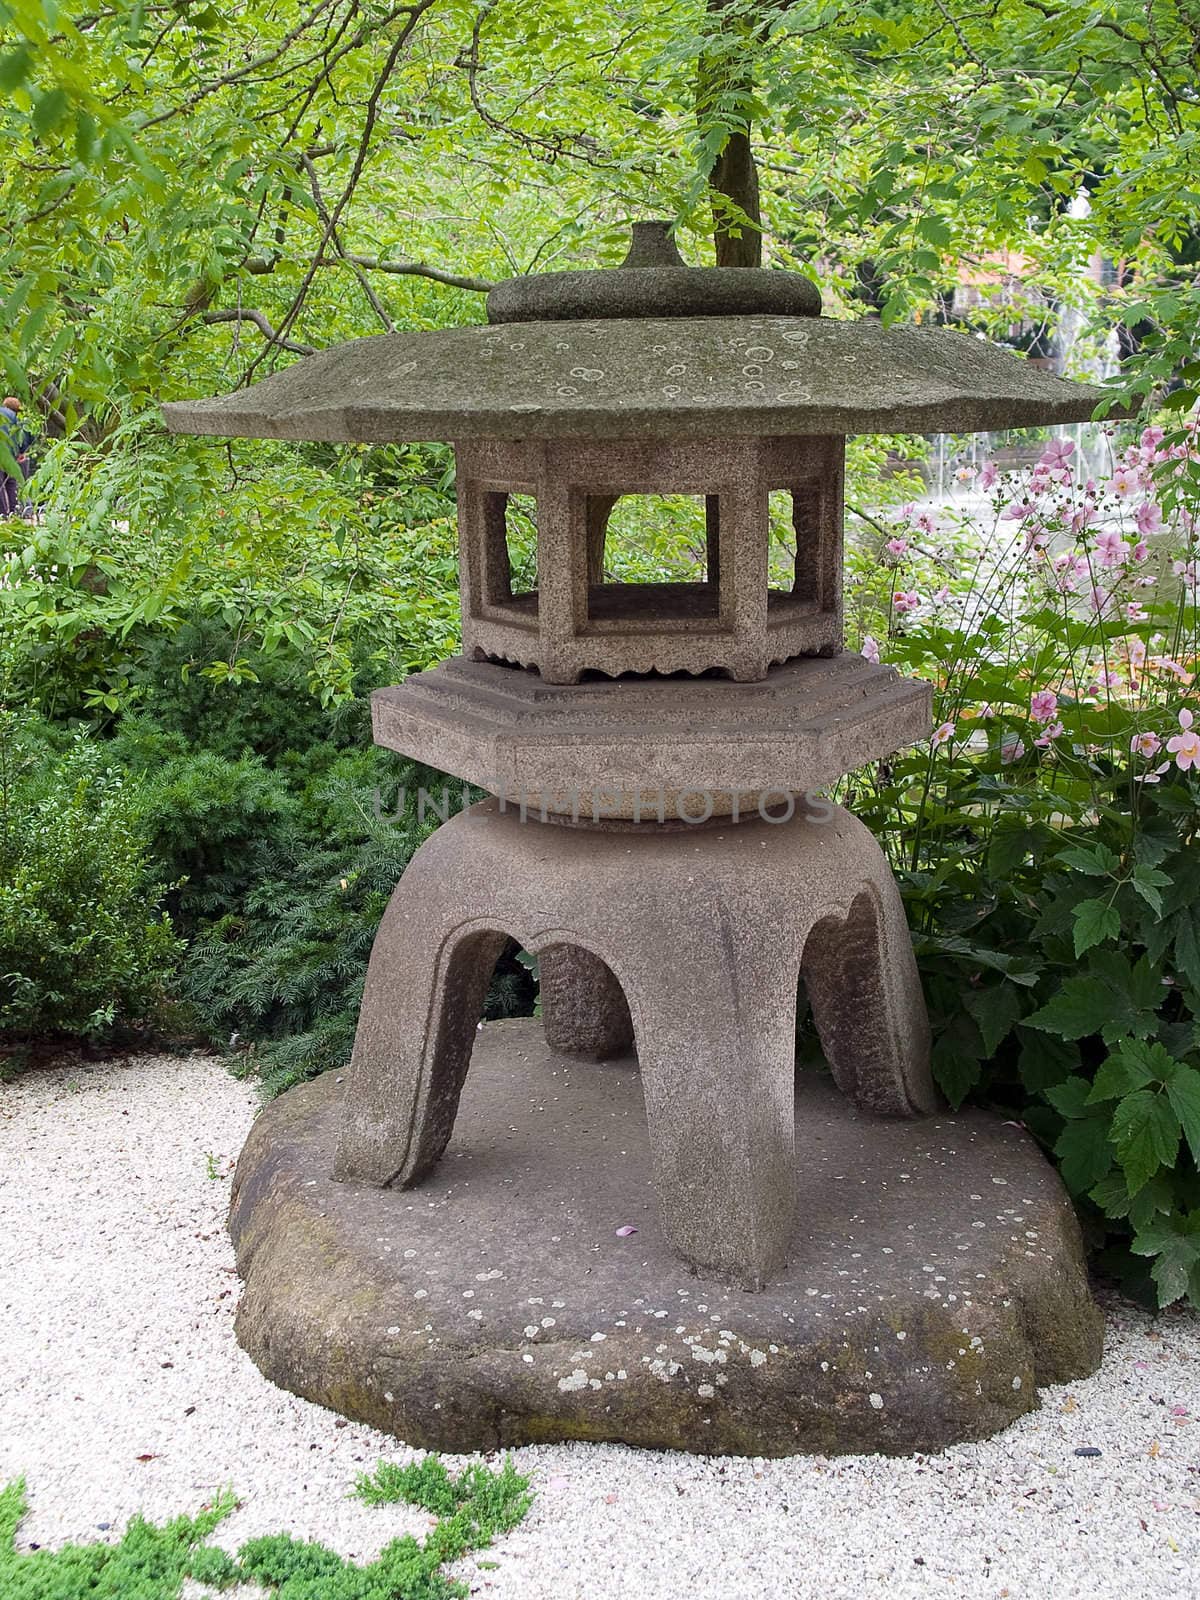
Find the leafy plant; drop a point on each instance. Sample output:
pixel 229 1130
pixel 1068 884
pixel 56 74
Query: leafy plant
pixel 1046 839
pixel 82 945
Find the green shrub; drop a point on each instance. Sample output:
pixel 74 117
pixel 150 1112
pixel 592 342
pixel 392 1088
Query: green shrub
pixel 84 944
pixel 282 874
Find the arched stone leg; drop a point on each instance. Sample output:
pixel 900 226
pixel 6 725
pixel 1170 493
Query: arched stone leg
pixel 583 1008
pixel 705 932
pixel 867 1005
pixel 715 1012
pixel 425 990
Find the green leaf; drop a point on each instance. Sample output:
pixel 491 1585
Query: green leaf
pixel 935 232
pixel 1084 1153
pixel 1183 1091
pixel 1187 947
pixel 1070 1098
pixel 1112 1195
pixel 1045 1060
pixel 1145 1133
pixel 1077 1010
pixel 1147 881
pixel 1177 1252
pixel 15 68
pixel 1009 848
pixel 1095 921
pixel 996 1010
pixel 955 1061
pixel 49 112
pixel 1098 862
pixel 1134 1065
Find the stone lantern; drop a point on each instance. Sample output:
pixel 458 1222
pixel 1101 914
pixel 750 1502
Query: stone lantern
pixel 657 837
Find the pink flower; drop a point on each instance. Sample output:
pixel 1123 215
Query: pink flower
pixel 1152 437
pixel 896 547
pixel 1111 549
pixel 1123 483
pixel 941 595
pixel 1082 517
pixel 1043 705
pixel 1057 454
pixel 1135 611
pixel 1189 571
pixel 965 473
pixel 1052 732
pixel 988 475
pixel 1017 511
pixel 870 649
pixel 1169 664
pixel 1055 463
pixel 906 600
pixel 1145 744
pixel 942 735
pixel 1098 599
pixel 1156 775
pixel 926 523
pixel 1141 551
pixel 1185 745
pixel 1148 517
pixel 1011 750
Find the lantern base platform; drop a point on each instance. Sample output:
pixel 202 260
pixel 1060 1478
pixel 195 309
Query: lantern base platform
pixel 936 1276
pixel 681 747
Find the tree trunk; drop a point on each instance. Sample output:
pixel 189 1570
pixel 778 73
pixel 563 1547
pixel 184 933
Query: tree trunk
pixel 724 91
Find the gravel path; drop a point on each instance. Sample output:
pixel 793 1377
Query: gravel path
pixel 122 1390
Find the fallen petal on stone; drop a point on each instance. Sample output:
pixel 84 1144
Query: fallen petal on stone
pixel 623 1233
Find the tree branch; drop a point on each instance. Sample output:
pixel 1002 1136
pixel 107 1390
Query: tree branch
pixel 264 266
pixel 264 327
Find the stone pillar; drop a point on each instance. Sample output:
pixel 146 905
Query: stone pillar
pixel 584 1010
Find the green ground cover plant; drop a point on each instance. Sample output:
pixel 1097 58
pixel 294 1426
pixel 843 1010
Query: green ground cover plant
pixel 151 1563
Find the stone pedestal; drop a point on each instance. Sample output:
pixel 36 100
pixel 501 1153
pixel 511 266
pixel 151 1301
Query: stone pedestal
pixel 935 1275
pixel 705 930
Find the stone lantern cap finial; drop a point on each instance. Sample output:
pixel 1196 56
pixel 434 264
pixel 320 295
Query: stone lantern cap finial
pixel 654 281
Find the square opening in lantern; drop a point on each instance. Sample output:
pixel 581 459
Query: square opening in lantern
pixel 510 550
pixel 801 570
pixel 652 561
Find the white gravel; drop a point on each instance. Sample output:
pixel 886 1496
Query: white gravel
pixel 122 1390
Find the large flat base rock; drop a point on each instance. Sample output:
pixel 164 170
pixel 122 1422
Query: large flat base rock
pixel 936 1276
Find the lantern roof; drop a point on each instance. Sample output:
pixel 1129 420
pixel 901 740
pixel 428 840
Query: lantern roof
pixel 653 349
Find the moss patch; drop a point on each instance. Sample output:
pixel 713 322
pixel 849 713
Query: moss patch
pixel 151 1563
